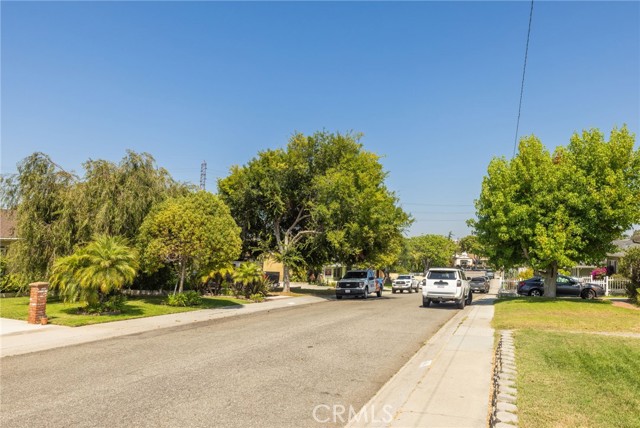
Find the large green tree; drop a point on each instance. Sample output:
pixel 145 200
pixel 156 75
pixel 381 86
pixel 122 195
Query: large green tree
pixel 190 232
pixel 425 251
pixel 58 211
pixel 321 197
pixel 552 210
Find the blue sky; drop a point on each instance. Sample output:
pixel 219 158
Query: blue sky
pixel 434 86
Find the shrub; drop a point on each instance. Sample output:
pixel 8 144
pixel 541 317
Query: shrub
pixel 114 304
pixel 188 298
pixel 630 266
pixel 257 297
pixel 525 274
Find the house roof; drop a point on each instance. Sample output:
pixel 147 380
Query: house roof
pixel 623 246
pixel 7 224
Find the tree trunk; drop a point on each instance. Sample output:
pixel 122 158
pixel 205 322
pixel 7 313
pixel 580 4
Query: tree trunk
pixel 183 269
pixel 550 278
pixel 286 287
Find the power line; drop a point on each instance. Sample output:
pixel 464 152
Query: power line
pixel 524 68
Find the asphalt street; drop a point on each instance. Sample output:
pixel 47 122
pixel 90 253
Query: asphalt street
pixel 295 367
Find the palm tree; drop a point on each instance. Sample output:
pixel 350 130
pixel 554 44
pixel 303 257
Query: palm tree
pixel 247 273
pixel 90 274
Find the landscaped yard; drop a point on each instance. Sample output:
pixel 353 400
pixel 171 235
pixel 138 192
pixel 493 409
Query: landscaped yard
pixel 541 313
pixel 568 376
pixel 577 380
pixel 62 313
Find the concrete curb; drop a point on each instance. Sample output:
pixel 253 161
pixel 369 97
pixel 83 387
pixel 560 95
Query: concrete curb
pixel 504 410
pixel 28 338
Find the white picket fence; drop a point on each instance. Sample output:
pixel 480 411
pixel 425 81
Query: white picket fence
pixel 611 286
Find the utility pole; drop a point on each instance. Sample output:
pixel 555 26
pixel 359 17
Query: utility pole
pixel 203 175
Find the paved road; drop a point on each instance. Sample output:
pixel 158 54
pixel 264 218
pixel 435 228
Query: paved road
pixel 264 370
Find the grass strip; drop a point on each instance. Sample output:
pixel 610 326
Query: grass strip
pixel 577 380
pixel 61 313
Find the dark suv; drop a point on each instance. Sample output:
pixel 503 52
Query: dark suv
pixel 565 286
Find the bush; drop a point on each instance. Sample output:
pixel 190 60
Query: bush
pixel 257 297
pixel 113 305
pixel 630 266
pixel 525 274
pixel 188 298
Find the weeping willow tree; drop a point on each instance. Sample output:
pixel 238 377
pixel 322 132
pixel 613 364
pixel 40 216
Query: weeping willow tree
pixel 40 193
pixel 58 211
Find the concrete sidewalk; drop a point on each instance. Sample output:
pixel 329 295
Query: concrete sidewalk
pixel 447 383
pixel 19 337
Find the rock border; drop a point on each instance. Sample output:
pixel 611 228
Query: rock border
pixel 504 409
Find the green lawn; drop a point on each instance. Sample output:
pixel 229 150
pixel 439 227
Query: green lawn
pixel 564 314
pixel 577 380
pixel 568 379
pixel 66 314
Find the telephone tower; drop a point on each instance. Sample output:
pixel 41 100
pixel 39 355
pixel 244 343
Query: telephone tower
pixel 203 175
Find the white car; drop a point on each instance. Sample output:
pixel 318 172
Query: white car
pixel 446 285
pixel 405 282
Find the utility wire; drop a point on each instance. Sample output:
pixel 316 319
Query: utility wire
pixel 524 68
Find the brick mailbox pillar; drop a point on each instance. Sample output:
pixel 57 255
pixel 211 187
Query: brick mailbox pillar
pixel 38 303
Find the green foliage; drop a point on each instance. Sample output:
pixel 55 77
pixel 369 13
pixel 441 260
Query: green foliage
pixel 526 274
pixel 90 274
pixel 114 304
pixel 554 210
pixel 41 195
pixel 470 245
pixel 425 251
pixel 251 280
pixel 257 297
pixel 57 211
pixel 323 197
pixel 188 298
pixel 192 232
pixel 630 267
pixel 11 283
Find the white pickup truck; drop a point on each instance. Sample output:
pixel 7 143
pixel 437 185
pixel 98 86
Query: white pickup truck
pixel 358 283
pixel 444 285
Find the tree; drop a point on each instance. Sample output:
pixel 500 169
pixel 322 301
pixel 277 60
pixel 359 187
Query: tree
pixel 115 198
pixel 57 211
pixel 551 211
pixel 426 251
pixel 41 195
pixel 324 196
pixel 189 232
pixel 469 244
pixel 94 271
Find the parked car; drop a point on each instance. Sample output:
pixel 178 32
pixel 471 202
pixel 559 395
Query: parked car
pixel 358 283
pixel 490 274
pixel 405 282
pixel 479 284
pixel 565 286
pixel 446 284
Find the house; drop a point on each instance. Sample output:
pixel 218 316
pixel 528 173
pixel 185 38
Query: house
pixel 613 259
pixel 8 226
pixel 623 245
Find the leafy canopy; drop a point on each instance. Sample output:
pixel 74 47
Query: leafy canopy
pixel 551 211
pixel 322 198
pixel 189 232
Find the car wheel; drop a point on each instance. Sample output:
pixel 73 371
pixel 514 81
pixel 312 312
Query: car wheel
pixel 460 303
pixel 535 293
pixel 394 291
pixel 379 292
pixel 588 294
pixel 339 297
pixel 426 302
pixel 469 298
pixel 366 293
